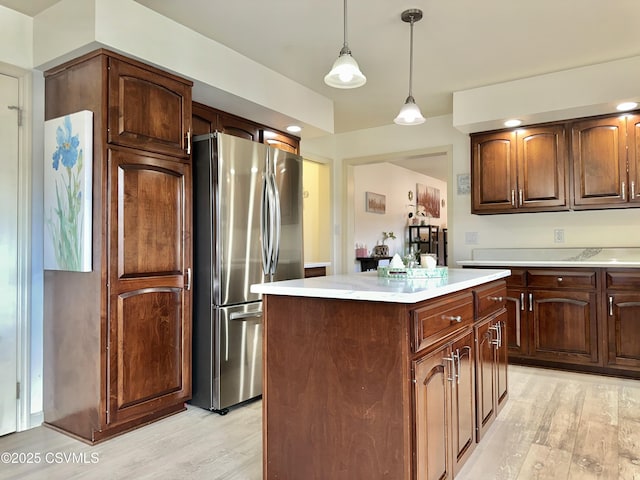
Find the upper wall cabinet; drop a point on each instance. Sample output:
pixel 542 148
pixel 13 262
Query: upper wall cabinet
pixel 148 111
pixel 599 154
pixel 580 164
pixel 520 170
pixel 208 120
pixel 278 140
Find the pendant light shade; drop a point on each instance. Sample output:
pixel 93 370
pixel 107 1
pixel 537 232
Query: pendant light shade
pixel 345 72
pixel 410 112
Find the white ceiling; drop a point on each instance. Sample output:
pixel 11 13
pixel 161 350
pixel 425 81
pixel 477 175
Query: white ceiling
pixel 459 44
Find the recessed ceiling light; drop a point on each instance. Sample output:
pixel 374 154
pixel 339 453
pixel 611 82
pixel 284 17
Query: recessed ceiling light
pixel 294 129
pixel 514 122
pixel 623 107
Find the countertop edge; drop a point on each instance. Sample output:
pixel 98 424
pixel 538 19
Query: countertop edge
pixel 314 288
pixel 546 263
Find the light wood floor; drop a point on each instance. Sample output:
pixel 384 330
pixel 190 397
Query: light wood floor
pixel 556 425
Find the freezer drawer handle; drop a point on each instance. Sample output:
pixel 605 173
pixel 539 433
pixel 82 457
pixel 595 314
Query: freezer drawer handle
pixel 245 315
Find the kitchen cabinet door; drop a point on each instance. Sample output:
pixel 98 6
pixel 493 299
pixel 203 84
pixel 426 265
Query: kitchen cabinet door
pixel 485 381
pixel 633 152
pixel 432 400
pixel 463 405
pixel 542 164
pixel 623 320
pixel 564 326
pixel 502 359
pixel 599 162
pixel 149 353
pixel 280 141
pixel 238 127
pixel 148 109
pixel 493 172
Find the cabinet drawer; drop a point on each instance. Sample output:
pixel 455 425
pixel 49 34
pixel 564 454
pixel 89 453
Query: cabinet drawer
pixel 623 279
pixel 490 298
pixel 439 319
pixel 518 278
pixel 561 279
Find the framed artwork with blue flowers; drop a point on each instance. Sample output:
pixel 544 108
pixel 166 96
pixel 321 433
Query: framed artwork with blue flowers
pixel 68 161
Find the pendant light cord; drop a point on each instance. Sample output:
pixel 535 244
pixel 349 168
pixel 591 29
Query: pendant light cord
pixel 345 45
pixel 411 60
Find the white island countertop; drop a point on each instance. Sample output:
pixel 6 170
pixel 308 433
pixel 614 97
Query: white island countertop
pixel 368 286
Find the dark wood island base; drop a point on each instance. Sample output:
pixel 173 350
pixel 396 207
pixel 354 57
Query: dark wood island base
pixel 357 389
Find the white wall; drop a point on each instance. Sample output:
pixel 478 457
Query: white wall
pixel 394 183
pixel 316 212
pixel 16 38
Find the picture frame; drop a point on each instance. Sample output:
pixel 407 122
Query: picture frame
pixel 375 203
pixel 429 199
pixel 68 177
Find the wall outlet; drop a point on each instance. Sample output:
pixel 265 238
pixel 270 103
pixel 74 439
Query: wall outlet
pixel 558 235
pixel 471 238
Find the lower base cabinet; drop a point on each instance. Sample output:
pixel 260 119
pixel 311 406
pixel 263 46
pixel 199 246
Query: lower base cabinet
pixel 445 414
pixel 584 319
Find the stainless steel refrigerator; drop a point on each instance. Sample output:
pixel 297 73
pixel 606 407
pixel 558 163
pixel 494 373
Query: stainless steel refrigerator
pixel 247 229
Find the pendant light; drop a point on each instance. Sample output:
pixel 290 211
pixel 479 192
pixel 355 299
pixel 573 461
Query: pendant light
pixel 345 72
pixel 410 112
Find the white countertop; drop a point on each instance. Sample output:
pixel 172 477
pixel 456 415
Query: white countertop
pixel 554 257
pixel 368 286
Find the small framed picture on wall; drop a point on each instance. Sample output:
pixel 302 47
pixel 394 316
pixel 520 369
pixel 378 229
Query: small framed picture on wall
pixel 375 203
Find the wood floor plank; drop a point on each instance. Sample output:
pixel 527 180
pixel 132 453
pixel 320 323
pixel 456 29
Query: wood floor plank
pixel 544 462
pixel 629 433
pixel 596 452
pixel 559 422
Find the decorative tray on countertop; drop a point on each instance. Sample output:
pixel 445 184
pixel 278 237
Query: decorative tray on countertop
pixel 418 272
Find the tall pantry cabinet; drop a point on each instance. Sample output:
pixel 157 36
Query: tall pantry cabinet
pixel 117 340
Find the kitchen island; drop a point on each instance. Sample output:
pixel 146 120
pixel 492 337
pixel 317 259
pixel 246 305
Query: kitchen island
pixel 375 378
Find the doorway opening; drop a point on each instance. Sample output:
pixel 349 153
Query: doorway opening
pixel 420 165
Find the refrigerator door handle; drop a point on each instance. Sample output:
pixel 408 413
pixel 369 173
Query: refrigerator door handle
pixel 244 316
pixel 276 220
pixel 265 232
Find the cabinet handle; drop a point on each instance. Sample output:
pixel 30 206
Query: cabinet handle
pixel 494 328
pixel 531 302
pixel 513 198
pixel 451 359
pixel 559 279
pixel 623 189
pixel 499 334
pixel 189 141
pixel 521 195
pixel 610 306
pixel 188 285
pixel 452 318
pixel 522 307
pixel 633 189
pixel 496 299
